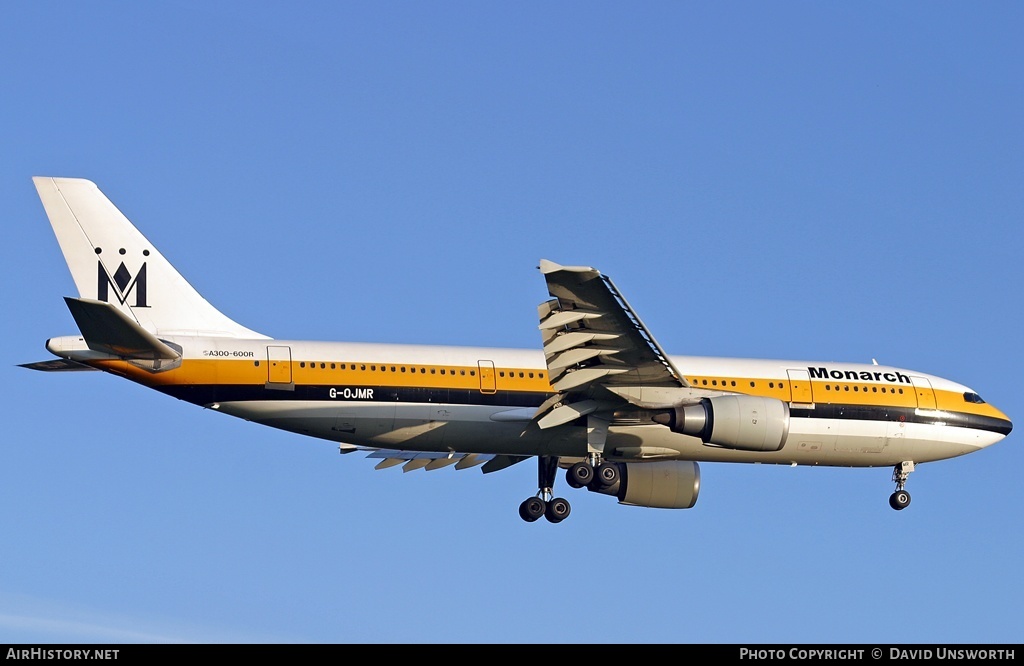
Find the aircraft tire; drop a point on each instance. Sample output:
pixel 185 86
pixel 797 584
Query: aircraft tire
pixel 531 509
pixel 579 475
pixel 899 500
pixel 558 510
pixel 607 474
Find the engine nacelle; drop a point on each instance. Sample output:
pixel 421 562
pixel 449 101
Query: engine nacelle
pixel 664 484
pixel 745 422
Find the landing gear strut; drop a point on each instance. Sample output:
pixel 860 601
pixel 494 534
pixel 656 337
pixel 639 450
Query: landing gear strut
pixel 555 509
pixel 900 499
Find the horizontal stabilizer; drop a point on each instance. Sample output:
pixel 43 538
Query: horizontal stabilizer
pixel 106 329
pixel 57 365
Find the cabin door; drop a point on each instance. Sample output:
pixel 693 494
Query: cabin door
pixel 279 365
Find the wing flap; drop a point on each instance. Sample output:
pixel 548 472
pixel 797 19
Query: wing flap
pixel 578 355
pixel 577 378
pixel 560 319
pixel 568 413
pixel 569 340
pixel 428 460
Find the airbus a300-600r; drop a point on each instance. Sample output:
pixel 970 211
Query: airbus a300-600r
pixel 600 399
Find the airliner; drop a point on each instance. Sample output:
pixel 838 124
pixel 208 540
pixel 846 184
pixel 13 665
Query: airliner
pixel 599 398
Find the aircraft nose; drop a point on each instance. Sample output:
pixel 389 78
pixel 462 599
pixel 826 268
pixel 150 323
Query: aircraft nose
pixel 991 424
pixel 1002 423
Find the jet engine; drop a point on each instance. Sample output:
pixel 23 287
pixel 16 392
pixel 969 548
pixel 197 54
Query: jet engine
pixel 664 484
pixel 744 422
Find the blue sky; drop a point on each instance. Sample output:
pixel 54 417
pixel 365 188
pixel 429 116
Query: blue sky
pixel 798 180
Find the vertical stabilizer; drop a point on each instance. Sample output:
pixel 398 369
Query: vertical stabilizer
pixel 112 262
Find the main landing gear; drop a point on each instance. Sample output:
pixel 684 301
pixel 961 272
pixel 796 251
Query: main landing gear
pixel 555 509
pixel 591 473
pixel 900 499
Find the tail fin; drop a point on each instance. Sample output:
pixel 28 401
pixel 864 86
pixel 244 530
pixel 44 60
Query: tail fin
pixel 112 262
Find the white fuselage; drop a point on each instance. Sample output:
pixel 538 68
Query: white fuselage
pixel 480 400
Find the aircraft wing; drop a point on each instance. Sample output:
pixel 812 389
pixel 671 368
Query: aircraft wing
pixel 599 353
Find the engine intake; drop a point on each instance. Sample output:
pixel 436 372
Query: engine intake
pixel 663 484
pixel 744 422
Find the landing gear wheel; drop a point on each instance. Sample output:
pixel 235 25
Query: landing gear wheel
pixel 899 500
pixel 558 510
pixel 532 509
pixel 607 474
pixel 580 475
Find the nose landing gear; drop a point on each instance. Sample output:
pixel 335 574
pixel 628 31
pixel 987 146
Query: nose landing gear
pixel 900 499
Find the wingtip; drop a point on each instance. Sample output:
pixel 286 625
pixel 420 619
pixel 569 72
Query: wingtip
pixel 547 267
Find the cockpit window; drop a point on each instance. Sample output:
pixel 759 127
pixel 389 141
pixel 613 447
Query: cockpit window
pixel 973 397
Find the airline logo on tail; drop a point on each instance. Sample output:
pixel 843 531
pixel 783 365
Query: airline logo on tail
pixel 123 283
